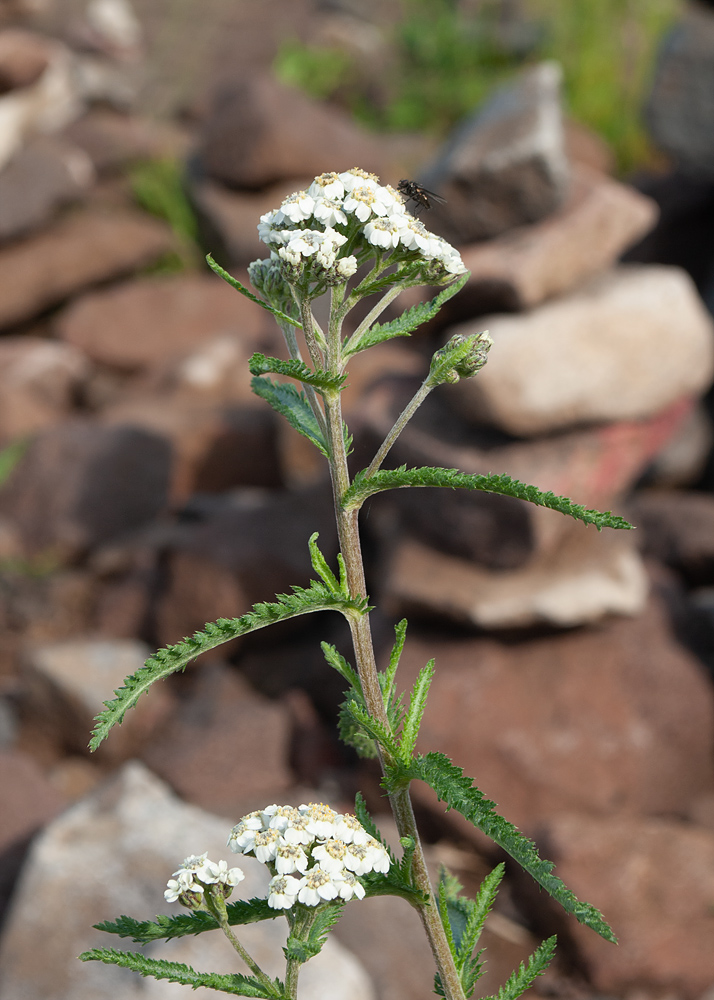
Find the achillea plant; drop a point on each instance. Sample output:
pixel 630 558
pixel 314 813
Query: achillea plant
pixel 349 237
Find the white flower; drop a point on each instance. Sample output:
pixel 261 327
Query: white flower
pixel 297 832
pixel 290 256
pixel 283 891
pixel 379 857
pixel 278 817
pixel 192 863
pixel 359 858
pixel 330 855
pixel 316 886
pixel 242 836
pixel 219 871
pixel 328 186
pixel 297 207
pixel 356 177
pixel 382 233
pixel 346 266
pixel 329 212
pixel 320 819
pixel 266 845
pixel 349 829
pixel 348 885
pixel 186 882
pixel 290 858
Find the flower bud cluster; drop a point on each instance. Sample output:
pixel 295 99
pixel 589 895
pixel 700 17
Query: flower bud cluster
pixel 314 853
pixel 196 874
pixel 351 208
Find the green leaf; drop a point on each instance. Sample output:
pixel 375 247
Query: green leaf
pixel 373 728
pixel 339 663
pixel 457 790
pixel 387 678
pixel 477 911
pixel 325 918
pixel 176 972
pixel 406 323
pixel 249 295
pixel 259 364
pixel 353 735
pixel 167 661
pixel 319 564
pixel 164 928
pixel 524 977
pixel 417 704
pixel 390 479
pixel 293 405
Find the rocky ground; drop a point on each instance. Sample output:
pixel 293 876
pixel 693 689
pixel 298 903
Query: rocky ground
pixel 153 492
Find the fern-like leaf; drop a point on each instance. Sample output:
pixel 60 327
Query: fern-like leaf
pixel 524 977
pixel 373 728
pixel 324 920
pixel 293 405
pixel 406 323
pixel 259 364
pixel 457 790
pixel 164 928
pixel 177 972
pixel 339 663
pixel 417 704
pixel 234 283
pixel 477 911
pixel 167 661
pixel 390 479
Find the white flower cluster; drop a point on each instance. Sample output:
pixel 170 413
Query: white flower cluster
pixel 303 228
pixel 314 853
pixel 197 872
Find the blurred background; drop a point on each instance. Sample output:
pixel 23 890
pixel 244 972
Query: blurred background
pixel 145 490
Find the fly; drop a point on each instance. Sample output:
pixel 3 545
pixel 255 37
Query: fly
pixel 421 196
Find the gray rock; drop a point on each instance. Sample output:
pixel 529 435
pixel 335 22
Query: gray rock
pixel 623 347
pixel 40 178
pixel 505 166
pixel 79 485
pixel 112 854
pixel 680 111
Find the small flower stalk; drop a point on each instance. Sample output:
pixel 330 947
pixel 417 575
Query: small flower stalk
pixel 348 237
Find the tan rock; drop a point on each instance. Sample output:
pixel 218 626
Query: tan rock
pixel 29 800
pixel 623 347
pixel 584 578
pixel 654 881
pixel 38 382
pixel 151 321
pixel 613 719
pixel 599 221
pixel 80 250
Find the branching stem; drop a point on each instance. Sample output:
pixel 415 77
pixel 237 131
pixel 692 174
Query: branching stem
pixel 399 425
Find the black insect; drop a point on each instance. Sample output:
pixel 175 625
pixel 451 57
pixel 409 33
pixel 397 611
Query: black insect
pixel 421 196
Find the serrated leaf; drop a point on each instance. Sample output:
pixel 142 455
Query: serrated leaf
pixel 339 663
pixel 164 928
pixel 259 364
pixel 388 677
pixel 477 911
pixel 373 728
pixel 177 972
pixel 406 323
pixel 417 704
pixel 352 734
pixel 293 405
pixel 167 661
pixel 319 564
pixel 390 479
pixel 457 790
pixel 234 283
pixel 524 977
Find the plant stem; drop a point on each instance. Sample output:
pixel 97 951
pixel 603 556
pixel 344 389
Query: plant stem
pixel 348 532
pixel 399 425
pixel 222 917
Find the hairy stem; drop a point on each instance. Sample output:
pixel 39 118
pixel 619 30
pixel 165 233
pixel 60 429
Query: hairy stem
pixel 399 425
pixel 348 531
pixel 373 315
pixel 219 911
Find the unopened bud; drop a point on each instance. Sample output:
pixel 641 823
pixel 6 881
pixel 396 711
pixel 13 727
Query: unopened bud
pixel 460 357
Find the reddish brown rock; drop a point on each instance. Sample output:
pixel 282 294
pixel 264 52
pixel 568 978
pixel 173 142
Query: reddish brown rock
pixel 29 800
pixel 79 485
pixel 677 527
pixel 260 132
pixel 599 221
pixel 152 321
pixel 225 743
pixel 82 249
pixel 612 719
pixel 654 881
pixel 39 380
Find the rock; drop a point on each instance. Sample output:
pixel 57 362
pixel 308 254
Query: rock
pixel 41 92
pixel 114 140
pixel 600 219
pixel 39 380
pixel 80 250
pixel 593 466
pixel 683 460
pixel 603 353
pixel 586 577
pixel 66 685
pixel 613 719
pixel 39 179
pixel 79 485
pixel 506 166
pixel 113 853
pixel 222 724
pixel 677 528
pixel 678 111
pixel 229 218
pixel 654 881
pixel 152 321
pixel 585 147
pixel 253 546
pixel 259 133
